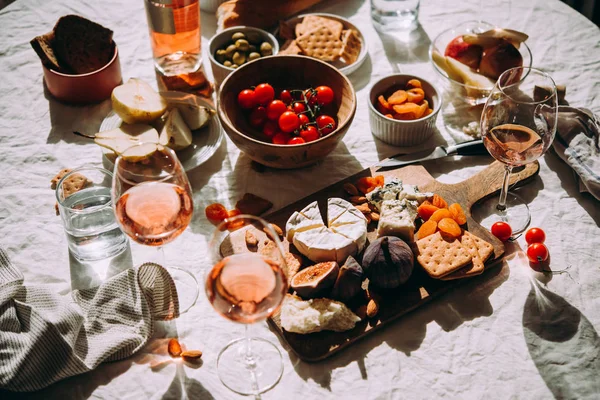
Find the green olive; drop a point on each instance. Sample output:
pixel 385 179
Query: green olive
pixel 238 35
pixel 242 45
pixel 253 56
pixel 234 66
pixel 254 37
pixel 266 49
pixel 228 63
pixel 252 49
pixel 230 50
pixel 221 56
pixel 239 58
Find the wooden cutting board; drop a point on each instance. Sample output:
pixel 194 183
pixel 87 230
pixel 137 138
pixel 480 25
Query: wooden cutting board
pixel 420 288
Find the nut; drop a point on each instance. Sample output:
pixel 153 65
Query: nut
pixel 174 348
pixel 372 308
pixel 191 354
pixel 251 240
pixel 375 216
pixel 364 208
pixel 277 230
pixel 351 189
pixel 369 218
pixel 358 199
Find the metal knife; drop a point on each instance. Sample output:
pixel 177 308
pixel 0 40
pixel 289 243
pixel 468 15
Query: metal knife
pixel 470 148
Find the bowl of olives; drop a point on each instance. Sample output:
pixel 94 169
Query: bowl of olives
pixel 236 46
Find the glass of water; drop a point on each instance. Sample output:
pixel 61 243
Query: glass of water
pixel 394 15
pixel 89 221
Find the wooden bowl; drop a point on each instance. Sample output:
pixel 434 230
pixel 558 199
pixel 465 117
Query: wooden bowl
pixel 285 72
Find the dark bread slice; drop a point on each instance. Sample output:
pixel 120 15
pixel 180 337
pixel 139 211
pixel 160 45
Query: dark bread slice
pixel 82 45
pixel 43 46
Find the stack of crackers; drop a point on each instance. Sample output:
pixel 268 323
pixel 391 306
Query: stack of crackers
pixel 322 38
pixel 449 259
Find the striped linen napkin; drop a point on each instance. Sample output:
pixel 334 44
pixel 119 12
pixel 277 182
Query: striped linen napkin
pixel 577 143
pixel 45 337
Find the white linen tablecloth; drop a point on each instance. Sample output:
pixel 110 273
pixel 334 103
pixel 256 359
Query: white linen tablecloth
pixel 514 334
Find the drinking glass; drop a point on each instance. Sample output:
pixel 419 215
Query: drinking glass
pixel 518 124
pixel 246 287
pixel 152 201
pixel 394 15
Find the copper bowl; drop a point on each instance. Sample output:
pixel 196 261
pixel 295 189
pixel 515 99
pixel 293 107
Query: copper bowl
pixel 92 87
pixel 285 72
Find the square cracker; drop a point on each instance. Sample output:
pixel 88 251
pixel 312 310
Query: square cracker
pixel 72 184
pixel 311 22
pixel 480 251
pixel 351 45
pixel 440 257
pixel 290 47
pixel 320 43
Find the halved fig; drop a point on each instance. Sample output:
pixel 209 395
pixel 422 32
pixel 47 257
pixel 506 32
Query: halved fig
pixel 349 280
pixel 315 280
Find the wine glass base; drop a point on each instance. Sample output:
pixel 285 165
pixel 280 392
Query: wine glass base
pixel 516 214
pixel 250 376
pixel 187 287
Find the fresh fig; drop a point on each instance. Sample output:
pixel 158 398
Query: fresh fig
pixel 348 282
pixel 388 262
pixel 315 280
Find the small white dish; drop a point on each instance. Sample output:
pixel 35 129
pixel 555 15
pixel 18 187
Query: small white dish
pixel 205 143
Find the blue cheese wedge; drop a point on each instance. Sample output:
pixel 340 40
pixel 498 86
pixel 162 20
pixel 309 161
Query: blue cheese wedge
pixel 398 219
pixel 411 192
pixel 394 189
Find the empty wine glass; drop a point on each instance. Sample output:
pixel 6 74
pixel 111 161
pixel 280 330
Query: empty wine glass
pixel 152 199
pixel 518 124
pixel 246 287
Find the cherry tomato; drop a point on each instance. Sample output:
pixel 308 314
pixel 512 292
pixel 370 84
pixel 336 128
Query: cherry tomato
pixel 324 95
pixel 216 212
pixel 310 97
pixel 303 119
pixel 289 122
pixel 296 140
pixel 502 230
pixel 270 128
pixel 286 96
pixel 275 109
pixel 535 235
pixel 309 134
pixel 326 124
pixel 281 138
pixel 258 117
pixel 247 99
pixel 298 107
pixel 537 253
pixel 264 94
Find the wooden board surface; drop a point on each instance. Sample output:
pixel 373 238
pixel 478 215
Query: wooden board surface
pixel 420 288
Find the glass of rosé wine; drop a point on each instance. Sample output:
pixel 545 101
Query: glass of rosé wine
pixel 518 124
pixel 152 200
pixel 245 286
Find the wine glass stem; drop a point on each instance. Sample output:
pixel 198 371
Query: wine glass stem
pixel 504 192
pixel 250 361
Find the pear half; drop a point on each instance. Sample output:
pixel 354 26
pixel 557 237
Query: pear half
pixel 122 139
pixel 195 116
pixel 175 133
pixel 136 102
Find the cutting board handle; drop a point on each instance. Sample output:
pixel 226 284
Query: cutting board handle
pixel 489 181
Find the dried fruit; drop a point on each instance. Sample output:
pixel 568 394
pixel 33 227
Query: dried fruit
pixel 439 202
pixel 366 184
pixel 384 105
pixel 413 83
pixel 349 280
pixel 174 348
pixel 426 210
pixel 191 354
pixel 457 214
pixel 415 95
pixel 372 308
pixel 350 189
pixel 449 227
pixel 440 214
pixel 388 262
pixel 428 228
pixel 216 213
pixel 398 97
pixel 379 180
pixel 358 199
pixel 251 240
pixel 315 280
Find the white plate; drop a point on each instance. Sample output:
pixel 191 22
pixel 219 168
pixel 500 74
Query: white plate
pixel 205 142
pixel 344 68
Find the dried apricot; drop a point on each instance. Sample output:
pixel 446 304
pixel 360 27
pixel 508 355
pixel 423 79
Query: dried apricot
pixel 449 227
pixel 384 104
pixel 457 214
pixel 415 95
pixel 414 83
pixel 216 212
pixel 426 210
pixel 439 202
pixel 440 214
pixel 428 228
pixel 397 98
pixel 380 180
pixel 381 109
pixel 389 115
pixel 366 184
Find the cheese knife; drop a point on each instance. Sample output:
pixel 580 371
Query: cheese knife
pixel 470 148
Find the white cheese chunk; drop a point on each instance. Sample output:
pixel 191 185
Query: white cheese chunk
pixel 398 219
pixel 411 192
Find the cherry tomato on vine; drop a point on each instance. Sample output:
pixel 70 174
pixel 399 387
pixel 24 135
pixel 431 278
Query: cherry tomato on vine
pixel 216 212
pixel 535 235
pixel 289 122
pixel 275 109
pixel 537 253
pixel 303 119
pixel 326 124
pixel 247 99
pixel 270 128
pixel 264 94
pixel 324 95
pixel 311 97
pixel 309 134
pixel 258 117
pixel 296 140
pixel 286 96
pixel 281 138
pixel 298 107
pixel 502 230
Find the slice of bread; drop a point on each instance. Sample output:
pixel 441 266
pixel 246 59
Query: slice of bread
pixel 82 45
pixel 308 316
pixel 43 46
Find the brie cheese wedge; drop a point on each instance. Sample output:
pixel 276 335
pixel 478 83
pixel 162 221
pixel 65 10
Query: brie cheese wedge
pixel 307 219
pixel 398 219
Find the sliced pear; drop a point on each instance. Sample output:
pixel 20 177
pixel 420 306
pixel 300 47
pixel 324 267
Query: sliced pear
pixel 195 116
pixel 468 76
pixel 136 102
pixel 124 137
pixel 175 134
pixel 140 153
pixel 440 60
pixel 508 34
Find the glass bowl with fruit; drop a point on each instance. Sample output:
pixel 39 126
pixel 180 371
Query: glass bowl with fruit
pixel 471 56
